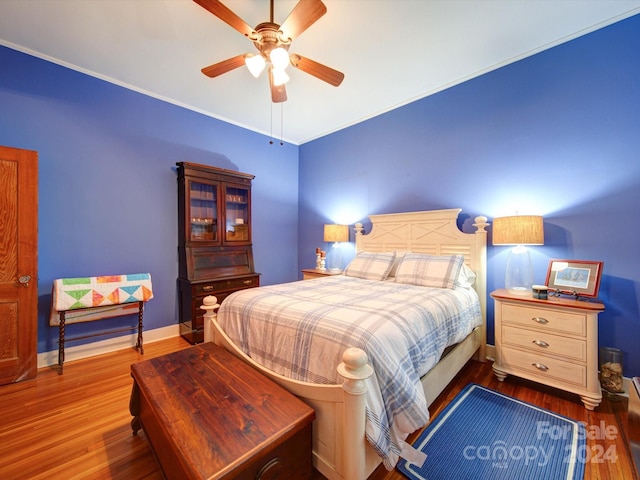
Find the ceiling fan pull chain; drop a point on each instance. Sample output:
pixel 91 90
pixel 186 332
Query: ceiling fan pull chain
pixel 271 123
pixel 281 122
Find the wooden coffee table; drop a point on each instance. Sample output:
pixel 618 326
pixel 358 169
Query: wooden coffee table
pixel 207 414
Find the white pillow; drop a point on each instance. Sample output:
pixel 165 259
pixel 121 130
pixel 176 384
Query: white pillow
pixel 430 270
pixel 370 266
pixel 466 277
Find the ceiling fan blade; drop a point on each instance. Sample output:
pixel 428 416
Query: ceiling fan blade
pixel 278 92
pixel 303 15
pixel 318 70
pixel 226 15
pixel 224 66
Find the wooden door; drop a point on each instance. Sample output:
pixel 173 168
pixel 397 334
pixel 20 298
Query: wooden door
pixel 18 264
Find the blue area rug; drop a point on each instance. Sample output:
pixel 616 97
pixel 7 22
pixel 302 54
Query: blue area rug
pixel 483 434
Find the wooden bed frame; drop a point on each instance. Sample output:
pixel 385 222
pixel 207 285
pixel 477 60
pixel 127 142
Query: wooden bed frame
pixel 340 450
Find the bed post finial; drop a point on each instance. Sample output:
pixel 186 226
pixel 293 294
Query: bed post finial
pixel 481 223
pixel 358 228
pixel 209 305
pixel 355 369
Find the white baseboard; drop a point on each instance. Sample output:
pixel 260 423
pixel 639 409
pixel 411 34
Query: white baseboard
pixel 490 352
pixel 47 359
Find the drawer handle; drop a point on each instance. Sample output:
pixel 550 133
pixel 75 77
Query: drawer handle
pixel 541 343
pixel 248 282
pixel 540 366
pixel 540 320
pixel 271 470
pixel 207 288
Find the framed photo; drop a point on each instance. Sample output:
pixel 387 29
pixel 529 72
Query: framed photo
pixel 579 278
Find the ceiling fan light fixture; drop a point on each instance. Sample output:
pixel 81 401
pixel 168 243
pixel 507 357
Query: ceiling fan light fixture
pixel 279 58
pixel 280 77
pixel 273 42
pixel 255 64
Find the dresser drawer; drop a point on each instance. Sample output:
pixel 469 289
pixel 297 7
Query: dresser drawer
pixel 544 367
pixel 539 341
pixel 545 320
pixel 225 285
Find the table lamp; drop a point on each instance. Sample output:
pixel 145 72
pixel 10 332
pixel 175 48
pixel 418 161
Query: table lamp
pixel 336 234
pixel 518 230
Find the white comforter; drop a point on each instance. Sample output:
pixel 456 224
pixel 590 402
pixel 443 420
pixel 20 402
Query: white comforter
pixel 301 329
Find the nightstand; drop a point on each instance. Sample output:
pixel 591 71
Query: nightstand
pixel 309 273
pixel 553 342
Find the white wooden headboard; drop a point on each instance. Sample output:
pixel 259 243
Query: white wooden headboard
pixel 434 232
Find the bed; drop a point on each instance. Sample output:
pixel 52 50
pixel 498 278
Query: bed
pixel 343 397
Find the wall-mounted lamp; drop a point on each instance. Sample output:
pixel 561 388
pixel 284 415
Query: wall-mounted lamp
pixel 519 230
pixel 336 234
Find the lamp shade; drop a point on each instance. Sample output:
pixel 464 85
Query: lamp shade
pixel 279 58
pixel 336 233
pixel 280 77
pixel 518 230
pixel 255 64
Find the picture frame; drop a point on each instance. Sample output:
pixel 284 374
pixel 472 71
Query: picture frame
pixel 580 278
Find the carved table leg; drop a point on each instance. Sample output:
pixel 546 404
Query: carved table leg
pixel 61 342
pixel 134 408
pixel 139 345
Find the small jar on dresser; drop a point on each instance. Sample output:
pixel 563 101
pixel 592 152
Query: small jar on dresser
pixel 552 341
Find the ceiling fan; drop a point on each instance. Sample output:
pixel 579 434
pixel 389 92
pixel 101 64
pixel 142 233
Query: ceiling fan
pixel 273 42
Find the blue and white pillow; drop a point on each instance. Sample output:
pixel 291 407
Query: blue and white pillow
pixel 370 266
pixel 430 270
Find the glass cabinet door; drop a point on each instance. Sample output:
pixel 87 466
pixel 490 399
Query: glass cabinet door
pixel 203 211
pixel 237 214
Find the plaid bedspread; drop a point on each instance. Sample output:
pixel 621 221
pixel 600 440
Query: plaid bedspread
pixel 301 329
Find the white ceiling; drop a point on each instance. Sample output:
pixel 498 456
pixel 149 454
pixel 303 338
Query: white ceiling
pixel 392 52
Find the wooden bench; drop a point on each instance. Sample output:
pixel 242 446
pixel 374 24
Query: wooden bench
pixel 209 415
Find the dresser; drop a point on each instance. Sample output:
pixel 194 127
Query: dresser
pixel 553 342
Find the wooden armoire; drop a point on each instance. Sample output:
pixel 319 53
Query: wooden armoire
pixel 214 240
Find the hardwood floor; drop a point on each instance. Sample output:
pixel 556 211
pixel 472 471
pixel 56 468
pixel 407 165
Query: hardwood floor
pixel 76 425
pixel 611 414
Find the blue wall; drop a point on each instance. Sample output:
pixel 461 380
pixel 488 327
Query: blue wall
pixel 107 181
pixel 556 134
